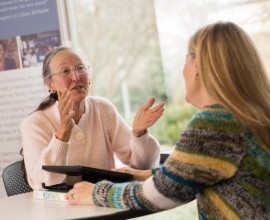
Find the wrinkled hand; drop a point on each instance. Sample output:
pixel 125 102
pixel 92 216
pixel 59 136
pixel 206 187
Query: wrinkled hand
pixel 81 194
pixel 65 108
pixel 139 175
pixel 147 116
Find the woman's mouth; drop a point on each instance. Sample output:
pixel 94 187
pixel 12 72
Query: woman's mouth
pixel 77 87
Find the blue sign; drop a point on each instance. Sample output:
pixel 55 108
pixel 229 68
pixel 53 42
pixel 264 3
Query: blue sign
pixel 24 17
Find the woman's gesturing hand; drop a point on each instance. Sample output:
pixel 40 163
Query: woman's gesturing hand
pixel 146 117
pixel 65 108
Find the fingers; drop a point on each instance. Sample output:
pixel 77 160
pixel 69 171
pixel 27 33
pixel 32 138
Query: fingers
pixel 155 113
pixel 72 197
pixel 146 117
pixel 79 185
pixel 67 109
pixel 69 195
pixel 159 107
pixel 149 103
pixel 154 117
pixel 63 95
pixel 66 104
pixel 81 194
pixel 124 170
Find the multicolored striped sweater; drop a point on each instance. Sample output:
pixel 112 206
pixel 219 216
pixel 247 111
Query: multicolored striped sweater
pixel 215 161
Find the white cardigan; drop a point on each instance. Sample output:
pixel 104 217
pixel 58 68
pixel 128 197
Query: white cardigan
pixel 100 133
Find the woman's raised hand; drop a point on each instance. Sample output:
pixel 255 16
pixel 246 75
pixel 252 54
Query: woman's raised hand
pixel 146 117
pixel 65 108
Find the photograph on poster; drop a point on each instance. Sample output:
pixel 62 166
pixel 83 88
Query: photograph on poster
pixel 34 47
pixel 8 54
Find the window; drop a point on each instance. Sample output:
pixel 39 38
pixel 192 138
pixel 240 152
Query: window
pixel 137 48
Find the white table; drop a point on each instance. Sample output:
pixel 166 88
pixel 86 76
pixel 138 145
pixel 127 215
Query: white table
pixel 24 207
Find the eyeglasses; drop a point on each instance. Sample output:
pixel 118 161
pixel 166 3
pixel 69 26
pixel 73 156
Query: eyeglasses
pixel 65 72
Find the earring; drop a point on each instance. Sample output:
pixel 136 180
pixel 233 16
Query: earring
pixel 197 76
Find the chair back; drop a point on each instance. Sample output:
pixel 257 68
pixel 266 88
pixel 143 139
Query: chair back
pixel 163 158
pixel 13 178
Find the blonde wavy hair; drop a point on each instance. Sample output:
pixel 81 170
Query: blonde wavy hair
pixel 233 74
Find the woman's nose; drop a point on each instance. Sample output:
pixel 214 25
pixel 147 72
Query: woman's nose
pixel 75 75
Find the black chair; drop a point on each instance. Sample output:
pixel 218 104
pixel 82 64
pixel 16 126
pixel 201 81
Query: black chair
pixel 163 158
pixel 14 181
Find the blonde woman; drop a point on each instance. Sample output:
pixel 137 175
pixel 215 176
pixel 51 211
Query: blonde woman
pixel 222 159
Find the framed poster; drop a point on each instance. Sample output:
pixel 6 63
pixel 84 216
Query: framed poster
pixel 29 29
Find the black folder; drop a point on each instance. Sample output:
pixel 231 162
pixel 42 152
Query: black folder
pixel 83 173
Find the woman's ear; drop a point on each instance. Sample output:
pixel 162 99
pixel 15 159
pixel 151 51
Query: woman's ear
pixel 50 86
pixel 196 70
pixel 197 76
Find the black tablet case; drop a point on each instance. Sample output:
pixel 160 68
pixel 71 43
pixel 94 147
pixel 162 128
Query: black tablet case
pixel 83 173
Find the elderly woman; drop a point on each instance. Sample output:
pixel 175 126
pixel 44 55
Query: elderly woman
pixel 72 128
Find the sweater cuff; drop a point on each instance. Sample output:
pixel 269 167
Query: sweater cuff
pixel 153 171
pixel 109 194
pixel 57 147
pixel 144 139
pixel 100 193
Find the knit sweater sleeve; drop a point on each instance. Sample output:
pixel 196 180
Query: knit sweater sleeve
pixel 40 147
pixel 210 150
